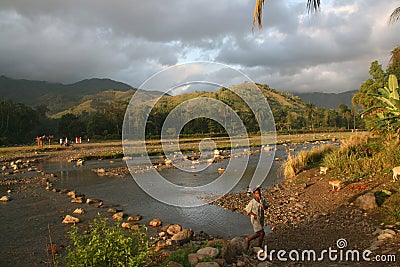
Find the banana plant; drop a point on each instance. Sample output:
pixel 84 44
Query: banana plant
pixel 388 110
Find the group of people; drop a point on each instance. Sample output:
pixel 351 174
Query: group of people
pixel 67 142
pixel 41 139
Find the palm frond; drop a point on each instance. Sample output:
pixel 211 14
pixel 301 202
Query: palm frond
pixel 395 16
pixel 258 14
pixel 372 111
pixel 313 5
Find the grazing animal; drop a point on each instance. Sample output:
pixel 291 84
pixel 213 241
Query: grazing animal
pixel 396 172
pixel 335 183
pixel 322 170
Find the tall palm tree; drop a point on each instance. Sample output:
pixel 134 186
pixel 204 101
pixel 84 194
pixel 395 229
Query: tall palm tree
pixel 312 6
pixel 395 16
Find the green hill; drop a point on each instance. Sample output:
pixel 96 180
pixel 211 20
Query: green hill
pixel 56 96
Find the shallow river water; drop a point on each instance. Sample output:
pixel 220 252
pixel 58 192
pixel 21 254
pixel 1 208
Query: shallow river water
pixel 126 193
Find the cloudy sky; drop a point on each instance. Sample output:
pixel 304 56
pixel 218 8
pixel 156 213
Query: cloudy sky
pixel 130 40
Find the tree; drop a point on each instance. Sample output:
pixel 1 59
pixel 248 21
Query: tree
pixel 363 97
pixel 310 113
pixel 395 16
pixel 386 114
pixel 17 122
pixel 312 6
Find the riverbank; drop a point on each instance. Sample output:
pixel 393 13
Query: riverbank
pixel 113 149
pixel 304 213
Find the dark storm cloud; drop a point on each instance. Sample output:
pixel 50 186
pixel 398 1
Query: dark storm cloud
pixel 129 40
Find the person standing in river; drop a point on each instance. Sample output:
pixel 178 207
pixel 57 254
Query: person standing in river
pixel 255 208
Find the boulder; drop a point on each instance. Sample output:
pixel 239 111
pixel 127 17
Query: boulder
pixel 195 258
pixel 5 198
pixel 78 211
pixel 135 227
pixel 77 200
pixel 183 236
pixel 389 231
pixel 384 236
pixel 209 251
pixel 126 225
pixel 135 218
pixel 366 201
pixel 92 200
pixel 100 170
pixel 112 210
pixel 70 220
pixel 71 194
pixel 161 244
pixel 155 222
pixel 232 249
pixel 118 216
pixel 173 229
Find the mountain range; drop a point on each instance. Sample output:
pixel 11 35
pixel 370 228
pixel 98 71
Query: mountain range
pixel 89 94
pixel 327 100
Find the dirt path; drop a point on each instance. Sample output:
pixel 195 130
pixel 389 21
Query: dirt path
pixel 306 214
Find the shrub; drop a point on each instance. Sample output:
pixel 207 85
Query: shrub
pixel 107 246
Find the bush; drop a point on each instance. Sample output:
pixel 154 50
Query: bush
pixel 107 246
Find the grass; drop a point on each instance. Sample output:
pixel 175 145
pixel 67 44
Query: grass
pixel 181 255
pixel 102 155
pixel 390 213
pixel 363 157
pixel 305 160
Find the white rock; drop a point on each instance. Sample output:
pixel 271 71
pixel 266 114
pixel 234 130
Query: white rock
pixel 384 236
pixel 78 211
pixel 155 222
pixel 209 251
pixel 70 220
pixel 5 198
pixel 389 231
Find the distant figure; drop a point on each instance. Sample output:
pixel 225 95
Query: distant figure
pixel 335 184
pixel 322 170
pixel 61 141
pixel 255 209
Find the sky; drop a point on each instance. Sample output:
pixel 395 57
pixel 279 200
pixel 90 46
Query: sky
pixel 130 40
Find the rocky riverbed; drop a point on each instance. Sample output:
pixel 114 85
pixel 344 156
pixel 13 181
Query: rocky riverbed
pixel 304 214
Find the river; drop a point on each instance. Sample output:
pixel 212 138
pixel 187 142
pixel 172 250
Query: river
pixel 126 193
